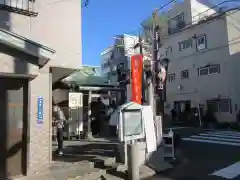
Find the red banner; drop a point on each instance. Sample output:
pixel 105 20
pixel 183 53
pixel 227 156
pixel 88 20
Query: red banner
pixel 136 78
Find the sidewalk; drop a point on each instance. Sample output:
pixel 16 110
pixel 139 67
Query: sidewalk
pixel 86 160
pixel 78 161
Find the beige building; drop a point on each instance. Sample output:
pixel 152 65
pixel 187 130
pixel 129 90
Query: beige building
pixel 204 53
pixel 28 68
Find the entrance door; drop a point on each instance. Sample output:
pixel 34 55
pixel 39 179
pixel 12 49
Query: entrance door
pixel 13 112
pixel 180 106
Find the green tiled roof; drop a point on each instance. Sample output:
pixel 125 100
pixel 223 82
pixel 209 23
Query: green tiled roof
pixel 86 75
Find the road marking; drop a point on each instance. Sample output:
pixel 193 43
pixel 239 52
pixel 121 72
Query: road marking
pixel 216 137
pixel 229 172
pixel 220 135
pixel 226 133
pixel 174 128
pixel 211 141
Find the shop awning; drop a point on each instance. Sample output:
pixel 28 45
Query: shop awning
pixel 43 53
pixel 87 76
pixel 59 73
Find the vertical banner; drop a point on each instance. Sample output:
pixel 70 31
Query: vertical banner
pixel 40 110
pixel 136 78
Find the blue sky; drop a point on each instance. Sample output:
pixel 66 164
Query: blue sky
pixel 103 19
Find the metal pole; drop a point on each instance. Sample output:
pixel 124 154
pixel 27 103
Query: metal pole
pixel 132 161
pixel 89 132
pixel 199 115
pixel 152 100
pixel 156 47
pixel 143 74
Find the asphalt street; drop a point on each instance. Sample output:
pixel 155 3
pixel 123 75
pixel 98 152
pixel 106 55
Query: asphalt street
pixel 202 152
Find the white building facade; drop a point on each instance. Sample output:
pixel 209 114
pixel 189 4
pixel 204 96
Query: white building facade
pixel 204 54
pixel 119 56
pixel 106 57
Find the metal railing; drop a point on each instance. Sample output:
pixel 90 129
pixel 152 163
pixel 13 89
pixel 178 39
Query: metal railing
pixel 24 7
pixel 218 8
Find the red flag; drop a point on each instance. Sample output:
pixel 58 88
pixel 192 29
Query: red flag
pixel 136 78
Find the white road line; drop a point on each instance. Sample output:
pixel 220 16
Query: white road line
pixel 222 131
pixel 229 172
pixel 211 141
pixel 226 133
pixel 173 128
pixel 219 135
pixel 215 137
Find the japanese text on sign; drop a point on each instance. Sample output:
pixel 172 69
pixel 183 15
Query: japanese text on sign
pixel 40 110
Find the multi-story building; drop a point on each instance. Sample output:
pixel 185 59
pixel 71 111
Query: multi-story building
pixel 118 56
pixel 28 69
pixel 203 47
pixel 106 57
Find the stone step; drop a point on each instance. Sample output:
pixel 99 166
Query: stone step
pixel 68 174
pixel 109 177
pixel 86 170
pixel 118 172
pixel 103 162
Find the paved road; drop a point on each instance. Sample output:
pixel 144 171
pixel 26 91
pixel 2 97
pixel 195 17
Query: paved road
pixel 204 152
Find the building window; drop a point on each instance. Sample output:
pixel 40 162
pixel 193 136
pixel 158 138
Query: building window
pixel 219 105
pixel 184 74
pixel 185 44
pixel 121 66
pixel 201 42
pixel 176 24
pixel 213 69
pixel 171 77
pixel 168 51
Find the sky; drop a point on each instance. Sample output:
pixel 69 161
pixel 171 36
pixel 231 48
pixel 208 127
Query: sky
pixel 103 19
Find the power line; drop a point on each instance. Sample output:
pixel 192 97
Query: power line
pixel 158 9
pixel 172 1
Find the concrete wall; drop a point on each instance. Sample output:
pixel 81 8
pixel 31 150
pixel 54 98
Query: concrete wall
pixel 17 63
pixel 58 26
pixel 233 27
pixel 40 147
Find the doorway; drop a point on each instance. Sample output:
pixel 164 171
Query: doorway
pixel 14 125
pixel 181 106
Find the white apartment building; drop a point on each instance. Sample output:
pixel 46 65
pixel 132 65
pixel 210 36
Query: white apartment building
pixel 119 56
pixel 106 57
pixel 203 46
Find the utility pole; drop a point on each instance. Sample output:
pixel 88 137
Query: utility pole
pixel 158 85
pixel 143 74
pixel 151 89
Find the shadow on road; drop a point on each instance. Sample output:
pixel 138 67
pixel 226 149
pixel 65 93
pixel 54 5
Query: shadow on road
pixel 77 153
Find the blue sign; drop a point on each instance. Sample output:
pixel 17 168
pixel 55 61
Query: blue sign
pixel 40 110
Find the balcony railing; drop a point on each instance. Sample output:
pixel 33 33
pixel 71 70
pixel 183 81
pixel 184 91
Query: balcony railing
pixel 215 11
pixel 24 7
